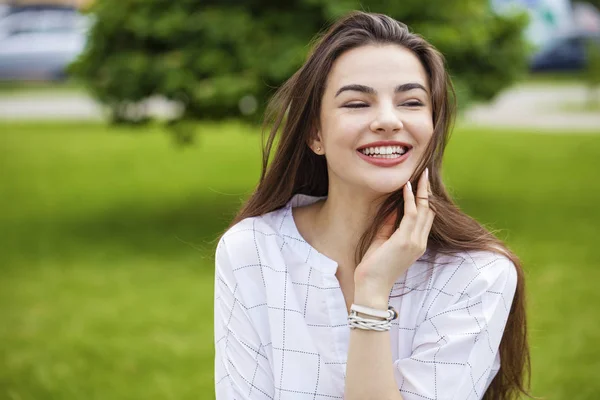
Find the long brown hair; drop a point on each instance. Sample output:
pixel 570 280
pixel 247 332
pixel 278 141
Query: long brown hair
pixel 292 119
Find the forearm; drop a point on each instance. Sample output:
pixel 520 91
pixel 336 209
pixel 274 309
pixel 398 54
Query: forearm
pixel 369 369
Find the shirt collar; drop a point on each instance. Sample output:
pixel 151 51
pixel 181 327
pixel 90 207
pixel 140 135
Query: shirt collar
pixel 296 242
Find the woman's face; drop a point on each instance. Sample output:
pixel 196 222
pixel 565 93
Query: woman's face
pixel 376 102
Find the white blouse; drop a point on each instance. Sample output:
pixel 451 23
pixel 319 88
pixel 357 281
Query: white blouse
pixel 281 329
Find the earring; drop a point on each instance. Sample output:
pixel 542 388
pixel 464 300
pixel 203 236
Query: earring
pixel 319 148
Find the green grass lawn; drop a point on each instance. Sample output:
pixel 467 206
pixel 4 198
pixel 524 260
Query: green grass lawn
pixel 107 237
pixel 554 78
pixel 41 89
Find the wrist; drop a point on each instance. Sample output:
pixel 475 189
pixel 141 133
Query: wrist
pixel 377 299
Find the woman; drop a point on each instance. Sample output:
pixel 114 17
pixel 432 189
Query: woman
pixel 350 273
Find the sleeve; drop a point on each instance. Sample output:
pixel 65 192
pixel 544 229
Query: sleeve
pixel 455 348
pixel 242 369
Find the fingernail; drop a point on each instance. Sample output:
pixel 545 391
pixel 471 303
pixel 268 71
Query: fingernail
pixel 426 174
pixel 409 186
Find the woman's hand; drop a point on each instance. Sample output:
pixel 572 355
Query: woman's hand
pixel 392 253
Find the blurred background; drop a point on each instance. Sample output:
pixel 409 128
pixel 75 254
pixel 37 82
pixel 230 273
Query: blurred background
pixel 129 136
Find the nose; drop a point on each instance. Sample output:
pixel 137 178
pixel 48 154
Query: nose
pixel 386 120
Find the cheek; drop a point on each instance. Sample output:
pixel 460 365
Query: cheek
pixel 420 127
pixel 346 127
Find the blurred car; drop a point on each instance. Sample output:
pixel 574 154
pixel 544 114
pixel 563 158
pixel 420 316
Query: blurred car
pixel 565 53
pixel 39 42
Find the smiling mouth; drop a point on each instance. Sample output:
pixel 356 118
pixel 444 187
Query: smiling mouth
pixel 388 152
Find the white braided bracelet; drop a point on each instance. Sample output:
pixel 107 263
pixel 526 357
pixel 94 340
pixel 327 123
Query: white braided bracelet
pixel 356 321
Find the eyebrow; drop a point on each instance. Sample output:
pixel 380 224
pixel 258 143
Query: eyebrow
pixel 369 90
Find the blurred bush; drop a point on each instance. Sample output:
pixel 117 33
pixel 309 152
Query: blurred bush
pixel 224 58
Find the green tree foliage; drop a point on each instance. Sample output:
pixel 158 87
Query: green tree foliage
pixel 596 3
pixel 208 55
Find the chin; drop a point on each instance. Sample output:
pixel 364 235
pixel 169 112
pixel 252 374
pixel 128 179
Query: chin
pixel 386 188
pixel 386 183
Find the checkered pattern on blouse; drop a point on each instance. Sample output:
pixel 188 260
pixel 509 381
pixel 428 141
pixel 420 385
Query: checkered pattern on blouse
pixel 281 328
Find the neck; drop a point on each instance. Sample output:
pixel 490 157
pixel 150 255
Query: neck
pixel 340 221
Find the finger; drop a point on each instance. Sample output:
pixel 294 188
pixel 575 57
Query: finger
pixel 430 216
pixel 407 225
pixel 423 191
pixel 387 228
pixel 429 192
pixel 422 201
pixel 383 234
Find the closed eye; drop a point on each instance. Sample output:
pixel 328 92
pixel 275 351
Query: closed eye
pixel 414 103
pixel 355 105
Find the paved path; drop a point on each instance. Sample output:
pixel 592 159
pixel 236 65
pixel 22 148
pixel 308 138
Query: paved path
pixel 530 106
pixel 535 106
pixel 47 107
pixel 66 106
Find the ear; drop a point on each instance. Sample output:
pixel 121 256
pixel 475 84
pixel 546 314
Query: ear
pixel 316 144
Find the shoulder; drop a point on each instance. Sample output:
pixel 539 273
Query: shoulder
pixel 243 242
pixel 473 270
pixel 247 257
pixel 451 279
pixel 465 281
pixel 249 227
pixel 488 269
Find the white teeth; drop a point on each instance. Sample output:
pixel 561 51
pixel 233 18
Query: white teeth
pixel 385 151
